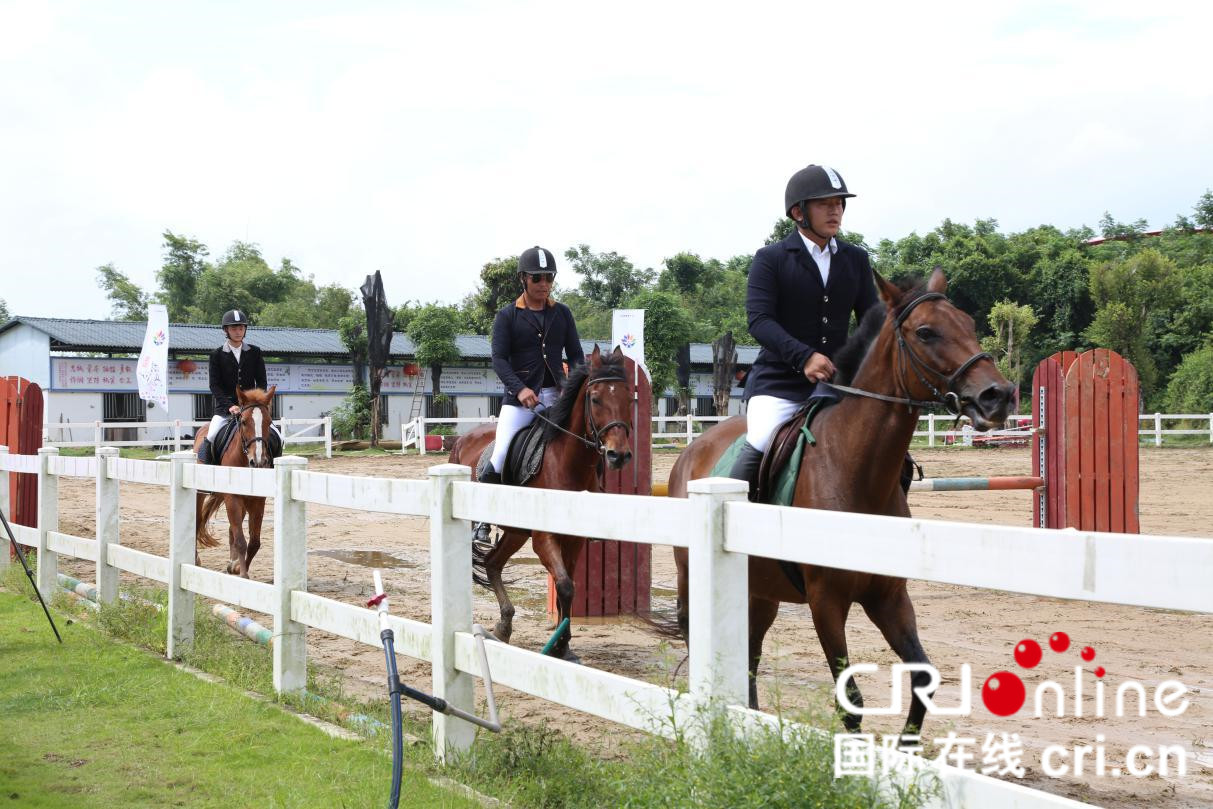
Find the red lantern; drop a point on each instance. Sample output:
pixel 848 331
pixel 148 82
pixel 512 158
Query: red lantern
pixel 411 369
pixel 187 366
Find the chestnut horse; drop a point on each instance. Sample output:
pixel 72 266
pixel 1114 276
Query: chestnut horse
pixel 249 447
pixel 589 425
pixel 924 349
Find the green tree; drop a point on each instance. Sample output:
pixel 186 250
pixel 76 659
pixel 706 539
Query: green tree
pixel 352 328
pixel 433 331
pixel 4 318
pixel 1191 387
pixel 1011 324
pixel 607 278
pixel 352 418
pixel 306 307
pixel 498 286
pixel 128 301
pixel 184 263
pixel 593 320
pixel 667 328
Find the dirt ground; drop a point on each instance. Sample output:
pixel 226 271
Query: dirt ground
pixel 957 624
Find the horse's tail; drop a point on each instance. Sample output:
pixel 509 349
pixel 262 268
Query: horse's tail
pixel 480 555
pixel 662 624
pixel 202 532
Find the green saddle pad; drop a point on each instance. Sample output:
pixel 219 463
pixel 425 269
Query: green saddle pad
pixel 785 485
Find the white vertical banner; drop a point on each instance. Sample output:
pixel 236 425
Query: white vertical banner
pixel 152 372
pixel 627 332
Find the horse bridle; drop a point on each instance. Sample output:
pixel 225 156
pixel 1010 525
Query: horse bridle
pixel 595 433
pixel 949 398
pixel 249 442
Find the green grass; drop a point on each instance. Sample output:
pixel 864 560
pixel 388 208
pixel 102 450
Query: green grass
pixel 99 723
pixel 527 765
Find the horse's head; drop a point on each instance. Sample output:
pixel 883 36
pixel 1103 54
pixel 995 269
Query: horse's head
pixel 608 407
pixel 938 357
pixel 255 409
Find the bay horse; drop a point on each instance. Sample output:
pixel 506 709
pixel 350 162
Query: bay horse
pixel 589 425
pixel 918 347
pixel 249 447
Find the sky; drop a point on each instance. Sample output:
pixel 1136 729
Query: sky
pixel 425 139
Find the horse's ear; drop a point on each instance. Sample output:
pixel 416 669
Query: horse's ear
pixel 596 357
pixel 270 393
pixel 240 395
pixel 937 282
pixel 889 293
pixel 617 354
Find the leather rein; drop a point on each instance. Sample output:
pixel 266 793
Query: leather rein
pixel 948 397
pixel 593 434
pixel 251 441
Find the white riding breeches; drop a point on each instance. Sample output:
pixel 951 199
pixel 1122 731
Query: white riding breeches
pixel 763 416
pixel 216 423
pixel 512 419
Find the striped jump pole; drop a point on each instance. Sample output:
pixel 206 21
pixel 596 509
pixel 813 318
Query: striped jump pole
pixel 1005 483
pixel 244 625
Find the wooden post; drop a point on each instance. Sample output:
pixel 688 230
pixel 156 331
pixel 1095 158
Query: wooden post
pixel 1158 429
pixel 450 606
pixel 182 517
pixel 48 520
pixel 719 597
pixel 290 574
pixel 106 526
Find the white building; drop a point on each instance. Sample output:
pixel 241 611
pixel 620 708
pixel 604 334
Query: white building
pixel 86 369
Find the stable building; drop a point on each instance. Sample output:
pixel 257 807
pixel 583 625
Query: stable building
pixel 86 369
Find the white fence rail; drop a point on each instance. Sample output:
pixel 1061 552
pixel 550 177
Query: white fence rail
pixel 174 433
pixel 720 529
pixel 938 428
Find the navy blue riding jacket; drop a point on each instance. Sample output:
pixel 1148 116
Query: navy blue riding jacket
pixel 226 374
pixel 527 346
pixel 792 316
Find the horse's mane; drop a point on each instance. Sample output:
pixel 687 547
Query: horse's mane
pixel 850 356
pixel 561 411
pixel 257 396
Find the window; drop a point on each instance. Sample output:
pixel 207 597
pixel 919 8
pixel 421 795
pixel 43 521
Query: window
pixel 704 405
pixel 446 410
pixel 122 407
pixel 383 400
pixel 203 406
pixel 671 405
pixel 495 405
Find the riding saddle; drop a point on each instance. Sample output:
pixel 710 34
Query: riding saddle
pixel 219 441
pixel 524 458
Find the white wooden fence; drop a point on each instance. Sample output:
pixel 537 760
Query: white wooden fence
pixel 308 431
pixel 691 426
pixel 715 523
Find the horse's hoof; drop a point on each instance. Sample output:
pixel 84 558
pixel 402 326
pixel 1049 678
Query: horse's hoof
pixel 502 632
pixel 570 656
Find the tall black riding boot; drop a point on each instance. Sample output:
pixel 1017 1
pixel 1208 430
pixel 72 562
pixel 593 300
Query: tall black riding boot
pixel 488 475
pixel 908 467
pixel 746 468
pixel 204 451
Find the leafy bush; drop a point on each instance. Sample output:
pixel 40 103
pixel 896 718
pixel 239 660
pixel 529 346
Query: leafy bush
pixel 352 418
pixel 1191 387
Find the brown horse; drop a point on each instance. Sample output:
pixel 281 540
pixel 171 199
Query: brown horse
pixel 589 425
pixel 250 447
pixel 921 348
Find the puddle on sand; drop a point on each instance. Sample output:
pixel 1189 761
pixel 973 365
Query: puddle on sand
pixel 379 559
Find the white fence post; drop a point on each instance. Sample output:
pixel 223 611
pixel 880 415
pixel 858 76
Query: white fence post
pixel 1211 428
pixel 930 429
pixel 690 429
pixel 106 526
pixel 48 520
pixel 1158 429
pixel 4 507
pixel 290 574
pixel 176 437
pixel 182 518
pixel 96 436
pixel 719 598
pixel 328 436
pixel 450 606
pixel 421 435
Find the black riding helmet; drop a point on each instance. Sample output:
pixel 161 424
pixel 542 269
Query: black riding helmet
pixel 536 259
pixel 234 317
pixel 813 182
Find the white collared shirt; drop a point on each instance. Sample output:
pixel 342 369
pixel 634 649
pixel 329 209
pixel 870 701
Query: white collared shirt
pixel 235 351
pixel 822 257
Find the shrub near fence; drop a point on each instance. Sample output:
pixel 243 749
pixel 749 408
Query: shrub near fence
pixel 715 522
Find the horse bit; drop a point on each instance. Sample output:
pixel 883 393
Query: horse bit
pixel 949 398
pixel 249 442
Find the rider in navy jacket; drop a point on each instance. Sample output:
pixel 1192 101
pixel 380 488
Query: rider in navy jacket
pixel 792 315
pixel 527 346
